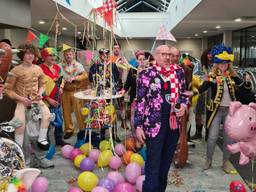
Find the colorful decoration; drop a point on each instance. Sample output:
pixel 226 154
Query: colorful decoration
pixel 237 186
pixel 41 184
pixel 78 160
pixel 68 2
pixel 106 11
pixel 164 34
pixel 66 151
pixel 43 39
pixel 30 37
pixel 65 47
pixel 240 126
pixel 87 164
pixel 87 181
pixel 132 172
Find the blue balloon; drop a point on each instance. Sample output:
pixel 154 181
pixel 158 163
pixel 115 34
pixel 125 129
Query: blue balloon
pixel 133 62
pixel 143 153
pixel 51 152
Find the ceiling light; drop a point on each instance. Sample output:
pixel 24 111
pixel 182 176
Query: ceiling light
pixel 218 27
pixel 188 37
pixel 196 35
pixel 205 31
pixel 41 22
pixel 252 36
pixel 64 28
pixel 239 19
pixel 79 32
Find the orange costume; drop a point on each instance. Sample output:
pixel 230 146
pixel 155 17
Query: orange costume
pixel 69 102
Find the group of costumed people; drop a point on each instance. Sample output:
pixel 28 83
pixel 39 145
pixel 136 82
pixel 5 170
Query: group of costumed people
pixel 159 89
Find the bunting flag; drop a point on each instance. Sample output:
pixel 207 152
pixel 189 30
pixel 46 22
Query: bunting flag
pixel 65 47
pixel 164 34
pixel 68 2
pixel 42 40
pixel 95 3
pixel 30 37
pixel 106 11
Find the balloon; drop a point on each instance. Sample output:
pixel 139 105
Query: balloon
pixel 116 177
pixel 130 144
pixel 87 164
pixel 139 183
pixel 100 189
pixel 66 150
pixel 105 145
pixel 85 111
pixel 74 153
pixel 115 162
pixel 127 156
pixel 132 172
pixel 239 126
pixel 119 149
pixel 143 153
pixel 124 187
pixel 78 160
pixel 110 110
pixel 107 183
pixel 137 159
pixel 87 181
pixel 94 154
pixel 143 170
pixel 104 158
pixel 85 148
pixel 74 189
pixel 40 184
pixel 237 186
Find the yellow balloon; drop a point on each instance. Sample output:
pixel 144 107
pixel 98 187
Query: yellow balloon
pixel 137 158
pixel 85 148
pixel 105 145
pixel 110 110
pixel 78 160
pixel 85 111
pixel 104 158
pixel 87 181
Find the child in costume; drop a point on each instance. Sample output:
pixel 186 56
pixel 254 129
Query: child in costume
pixel 53 90
pixel 222 80
pixel 25 85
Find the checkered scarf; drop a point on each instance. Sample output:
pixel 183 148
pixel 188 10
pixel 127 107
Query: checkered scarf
pixel 174 92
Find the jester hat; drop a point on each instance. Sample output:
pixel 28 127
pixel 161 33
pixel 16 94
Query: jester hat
pixel 222 54
pixel 47 52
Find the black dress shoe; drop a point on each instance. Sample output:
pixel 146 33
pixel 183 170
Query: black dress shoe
pixel 68 135
pixel 62 143
pixel 44 145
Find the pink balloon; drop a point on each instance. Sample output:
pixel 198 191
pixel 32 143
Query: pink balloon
pixel 132 172
pixel 74 153
pixel 116 177
pixel 40 184
pixel 66 150
pixel 115 162
pixel 74 189
pixel 100 189
pixel 139 183
pixel 94 154
pixel 240 125
pixel 124 187
pixel 120 149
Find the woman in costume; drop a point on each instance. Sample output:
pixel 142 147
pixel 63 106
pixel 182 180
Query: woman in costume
pixel 222 80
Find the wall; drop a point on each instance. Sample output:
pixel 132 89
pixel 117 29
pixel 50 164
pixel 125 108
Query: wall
pixel 194 46
pixel 15 12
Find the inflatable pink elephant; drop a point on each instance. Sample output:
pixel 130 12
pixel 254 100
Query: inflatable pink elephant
pixel 240 125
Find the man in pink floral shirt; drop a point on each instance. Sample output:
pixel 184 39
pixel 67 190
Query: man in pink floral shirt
pixel 160 104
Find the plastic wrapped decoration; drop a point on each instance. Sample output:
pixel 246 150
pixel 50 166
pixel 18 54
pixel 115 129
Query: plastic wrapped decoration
pixel 11 158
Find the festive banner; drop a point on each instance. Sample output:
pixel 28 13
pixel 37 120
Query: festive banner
pixel 164 34
pixel 30 37
pixel 42 40
pixel 65 47
pixel 106 11
pixel 96 3
pixel 68 2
